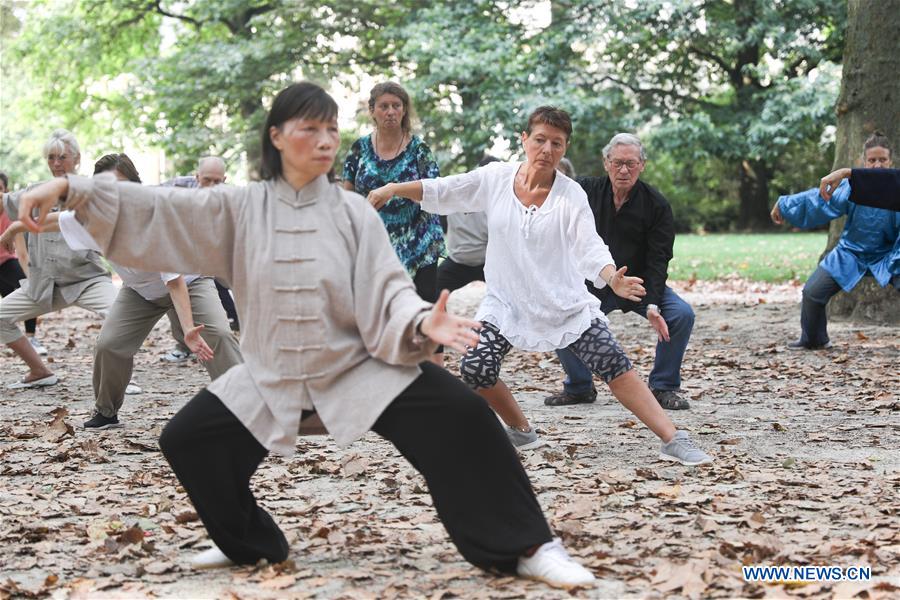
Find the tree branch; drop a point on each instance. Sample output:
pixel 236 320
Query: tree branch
pixel 661 92
pixel 157 7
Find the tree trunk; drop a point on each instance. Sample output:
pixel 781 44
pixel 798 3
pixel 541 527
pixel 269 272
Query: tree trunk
pixel 754 196
pixel 869 101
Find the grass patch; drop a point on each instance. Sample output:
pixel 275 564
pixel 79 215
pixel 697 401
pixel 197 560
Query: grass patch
pixel 771 257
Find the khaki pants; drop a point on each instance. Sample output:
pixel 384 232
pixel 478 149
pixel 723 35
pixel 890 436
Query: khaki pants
pixel 130 321
pixel 18 306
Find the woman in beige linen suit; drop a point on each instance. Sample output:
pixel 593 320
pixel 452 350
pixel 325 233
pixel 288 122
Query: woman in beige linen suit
pixel 58 277
pixel 331 324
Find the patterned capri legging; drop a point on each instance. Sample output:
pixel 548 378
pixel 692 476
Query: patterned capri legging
pixel 597 349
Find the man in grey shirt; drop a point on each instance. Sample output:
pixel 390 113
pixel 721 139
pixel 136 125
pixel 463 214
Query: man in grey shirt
pixel 466 238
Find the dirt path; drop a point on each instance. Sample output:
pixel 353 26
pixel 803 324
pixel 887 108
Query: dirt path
pixel 807 472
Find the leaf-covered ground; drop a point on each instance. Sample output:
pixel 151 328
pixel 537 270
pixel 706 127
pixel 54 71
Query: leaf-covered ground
pixel 806 472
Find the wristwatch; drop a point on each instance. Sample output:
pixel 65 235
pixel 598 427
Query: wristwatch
pixel 652 307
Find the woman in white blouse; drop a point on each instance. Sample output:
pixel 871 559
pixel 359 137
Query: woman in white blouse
pixel 332 325
pixel 542 245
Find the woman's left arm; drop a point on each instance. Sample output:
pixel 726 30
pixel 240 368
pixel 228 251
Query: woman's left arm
pixel 181 300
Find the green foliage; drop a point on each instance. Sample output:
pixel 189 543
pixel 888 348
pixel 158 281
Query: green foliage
pixel 710 85
pixel 731 79
pixel 772 257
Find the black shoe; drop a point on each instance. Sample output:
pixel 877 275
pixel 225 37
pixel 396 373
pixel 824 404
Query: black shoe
pixel 98 421
pixel 670 400
pixel 798 345
pixel 564 398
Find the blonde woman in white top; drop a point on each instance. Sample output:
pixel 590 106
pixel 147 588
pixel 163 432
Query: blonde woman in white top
pixel 542 245
pixel 332 325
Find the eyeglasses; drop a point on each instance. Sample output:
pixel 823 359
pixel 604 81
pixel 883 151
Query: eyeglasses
pixel 57 157
pixel 617 165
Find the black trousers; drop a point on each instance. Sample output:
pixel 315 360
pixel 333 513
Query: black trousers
pixel 426 286
pixel 453 275
pixel 479 488
pixel 228 304
pixel 10 274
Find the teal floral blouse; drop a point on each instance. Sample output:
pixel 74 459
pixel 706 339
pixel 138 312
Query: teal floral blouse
pixel 415 234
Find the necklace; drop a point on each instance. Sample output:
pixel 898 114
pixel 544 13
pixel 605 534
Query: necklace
pixel 396 152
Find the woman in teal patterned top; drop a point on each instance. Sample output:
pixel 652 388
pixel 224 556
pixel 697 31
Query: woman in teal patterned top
pixel 393 154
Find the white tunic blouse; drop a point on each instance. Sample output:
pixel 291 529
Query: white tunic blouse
pixel 537 258
pixel 328 315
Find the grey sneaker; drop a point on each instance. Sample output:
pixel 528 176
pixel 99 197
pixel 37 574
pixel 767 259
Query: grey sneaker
pixel 176 356
pixel 37 345
pixel 524 440
pixel 682 449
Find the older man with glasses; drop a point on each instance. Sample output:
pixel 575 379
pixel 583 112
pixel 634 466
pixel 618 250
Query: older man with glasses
pixel 635 221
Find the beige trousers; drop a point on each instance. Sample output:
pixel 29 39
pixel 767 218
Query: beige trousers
pixel 17 307
pixel 130 321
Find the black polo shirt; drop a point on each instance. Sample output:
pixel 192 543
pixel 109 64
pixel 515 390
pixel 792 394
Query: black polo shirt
pixel 640 235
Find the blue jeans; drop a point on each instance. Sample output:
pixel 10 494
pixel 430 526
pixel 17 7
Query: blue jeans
pixel 666 373
pixel 819 289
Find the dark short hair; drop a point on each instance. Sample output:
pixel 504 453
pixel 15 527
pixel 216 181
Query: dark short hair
pixel 5 180
pixel 878 140
pixel 391 87
pixel 552 116
pixel 487 159
pixel 117 162
pixel 304 100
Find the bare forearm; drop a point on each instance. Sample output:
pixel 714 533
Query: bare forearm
pixel 607 272
pixel 181 300
pixel 410 189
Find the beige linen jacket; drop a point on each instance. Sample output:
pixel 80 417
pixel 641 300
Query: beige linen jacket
pixel 51 263
pixel 328 314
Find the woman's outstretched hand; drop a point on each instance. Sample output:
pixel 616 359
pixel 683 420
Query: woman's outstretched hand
pixel 197 344
pixel 379 197
pixel 629 288
pixel 450 330
pixel 830 182
pixel 43 197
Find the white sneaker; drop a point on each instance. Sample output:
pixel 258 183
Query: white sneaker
pixel 133 388
pixel 212 558
pixel 38 347
pixel 176 356
pixel 553 565
pixel 36 383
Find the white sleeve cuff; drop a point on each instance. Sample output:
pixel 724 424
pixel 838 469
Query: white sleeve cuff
pixel 76 236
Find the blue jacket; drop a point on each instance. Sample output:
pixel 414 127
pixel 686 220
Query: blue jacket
pixel 870 240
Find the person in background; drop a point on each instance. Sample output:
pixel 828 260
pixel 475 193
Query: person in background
pixel 210 172
pixel 393 153
pixel 466 246
pixel 11 272
pixel 58 277
pixel 635 220
pixel 869 245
